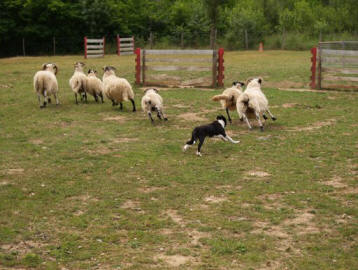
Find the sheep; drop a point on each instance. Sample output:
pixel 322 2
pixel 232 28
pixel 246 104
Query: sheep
pixel 117 89
pixel 94 85
pixel 45 83
pixel 229 96
pixel 152 101
pixel 253 102
pixel 78 82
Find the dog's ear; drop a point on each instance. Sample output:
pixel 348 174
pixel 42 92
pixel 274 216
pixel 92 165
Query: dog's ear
pixel 44 66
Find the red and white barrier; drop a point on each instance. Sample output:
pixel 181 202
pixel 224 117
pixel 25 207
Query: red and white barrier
pixel 94 47
pixel 125 46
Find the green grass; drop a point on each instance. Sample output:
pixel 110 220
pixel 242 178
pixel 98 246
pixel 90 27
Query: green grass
pixel 92 187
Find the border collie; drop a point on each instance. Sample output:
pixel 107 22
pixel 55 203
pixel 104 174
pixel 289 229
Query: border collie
pixel 216 128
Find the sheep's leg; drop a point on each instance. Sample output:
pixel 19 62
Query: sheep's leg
pixel 246 120
pixel 259 120
pixel 101 96
pixel 76 98
pixel 159 114
pixel 85 95
pixel 113 103
pixel 150 117
pixel 56 98
pixel 133 104
pixel 95 97
pixel 45 100
pixel 49 100
pixel 228 115
pixel 39 98
pixel 271 115
pixel 121 106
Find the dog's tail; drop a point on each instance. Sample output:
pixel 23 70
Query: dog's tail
pixel 220 97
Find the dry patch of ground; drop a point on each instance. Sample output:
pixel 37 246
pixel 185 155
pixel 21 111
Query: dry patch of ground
pixel 120 119
pixel 315 126
pixel 14 171
pixel 149 189
pixel 124 140
pixel 191 117
pixel 336 182
pixel 173 214
pixel 22 247
pixel 289 105
pixel 174 260
pixel 133 205
pixel 258 173
pixel 100 151
pixel 213 199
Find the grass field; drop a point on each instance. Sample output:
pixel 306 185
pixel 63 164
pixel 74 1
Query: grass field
pixel 91 187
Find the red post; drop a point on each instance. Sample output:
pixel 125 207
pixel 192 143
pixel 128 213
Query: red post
pixel 85 43
pixel 104 45
pixel 118 45
pixel 137 66
pixel 313 68
pixel 221 67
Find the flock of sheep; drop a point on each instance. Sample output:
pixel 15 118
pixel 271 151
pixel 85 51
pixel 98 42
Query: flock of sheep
pixel 251 103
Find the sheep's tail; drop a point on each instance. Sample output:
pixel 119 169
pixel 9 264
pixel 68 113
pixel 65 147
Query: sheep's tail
pixel 242 104
pixel 38 84
pixel 220 97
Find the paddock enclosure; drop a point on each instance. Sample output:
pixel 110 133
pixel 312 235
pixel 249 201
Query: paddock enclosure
pixel 181 68
pixel 125 46
pixel 335 65
pixel 94 47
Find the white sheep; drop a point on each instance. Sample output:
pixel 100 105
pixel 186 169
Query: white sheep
pixel 117 89
pixel 253 102
pixel 229 96
pixel 78 82
pixel 94 85
pixel 151 102
pixel 45 84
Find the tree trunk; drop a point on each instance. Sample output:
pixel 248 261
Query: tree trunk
pixel 213 37
pixel 283 39
pixel 151 40
pixel 182 40
pixel 246 40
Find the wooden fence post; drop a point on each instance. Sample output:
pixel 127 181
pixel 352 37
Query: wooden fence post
pixel 143 68
pixel 215 68
pixel 313 68
pixel 137 66
pixel 104 45
pixel 221 68
pixel 118 45
pixel 319 66
pixel 85 42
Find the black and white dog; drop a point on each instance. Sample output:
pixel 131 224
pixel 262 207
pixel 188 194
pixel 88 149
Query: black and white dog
pixel 216 128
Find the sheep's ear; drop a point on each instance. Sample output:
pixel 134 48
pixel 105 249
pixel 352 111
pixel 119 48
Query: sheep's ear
pixel 156 90
pixel 82 64
pixel 242 83
pixel 260 80
pixel 55 68
pixel 235 83
pixel 89 71
pixel 113 68
pixel 44 66
pixel 248 81
pixel 104 68
pixel 145 91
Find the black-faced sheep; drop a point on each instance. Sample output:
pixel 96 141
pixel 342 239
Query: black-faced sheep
pixel 78 82
pixel 45 83
pixel 151 102
pixel 94 85
pixel 117 89
pixel 229 96
pixel 253 102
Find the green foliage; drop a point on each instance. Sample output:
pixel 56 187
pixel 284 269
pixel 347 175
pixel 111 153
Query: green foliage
pixel 169 21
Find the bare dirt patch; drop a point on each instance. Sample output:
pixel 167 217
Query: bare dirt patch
pixel 303 222
pixel 23 247
pixel 36 141
pixel 150 189
pixel 120 119
pixel 173 214
pixel 15 171
pixel 100 151
pixel 191 117
pixel 289 105
pixel 315 126
pixel 125 140
pixel 6 86
pixel 213 199
pixel 133 205
pixel 180 106
pixel 195 236
pixel 336 182
pixel 258 173
pixel 174 260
